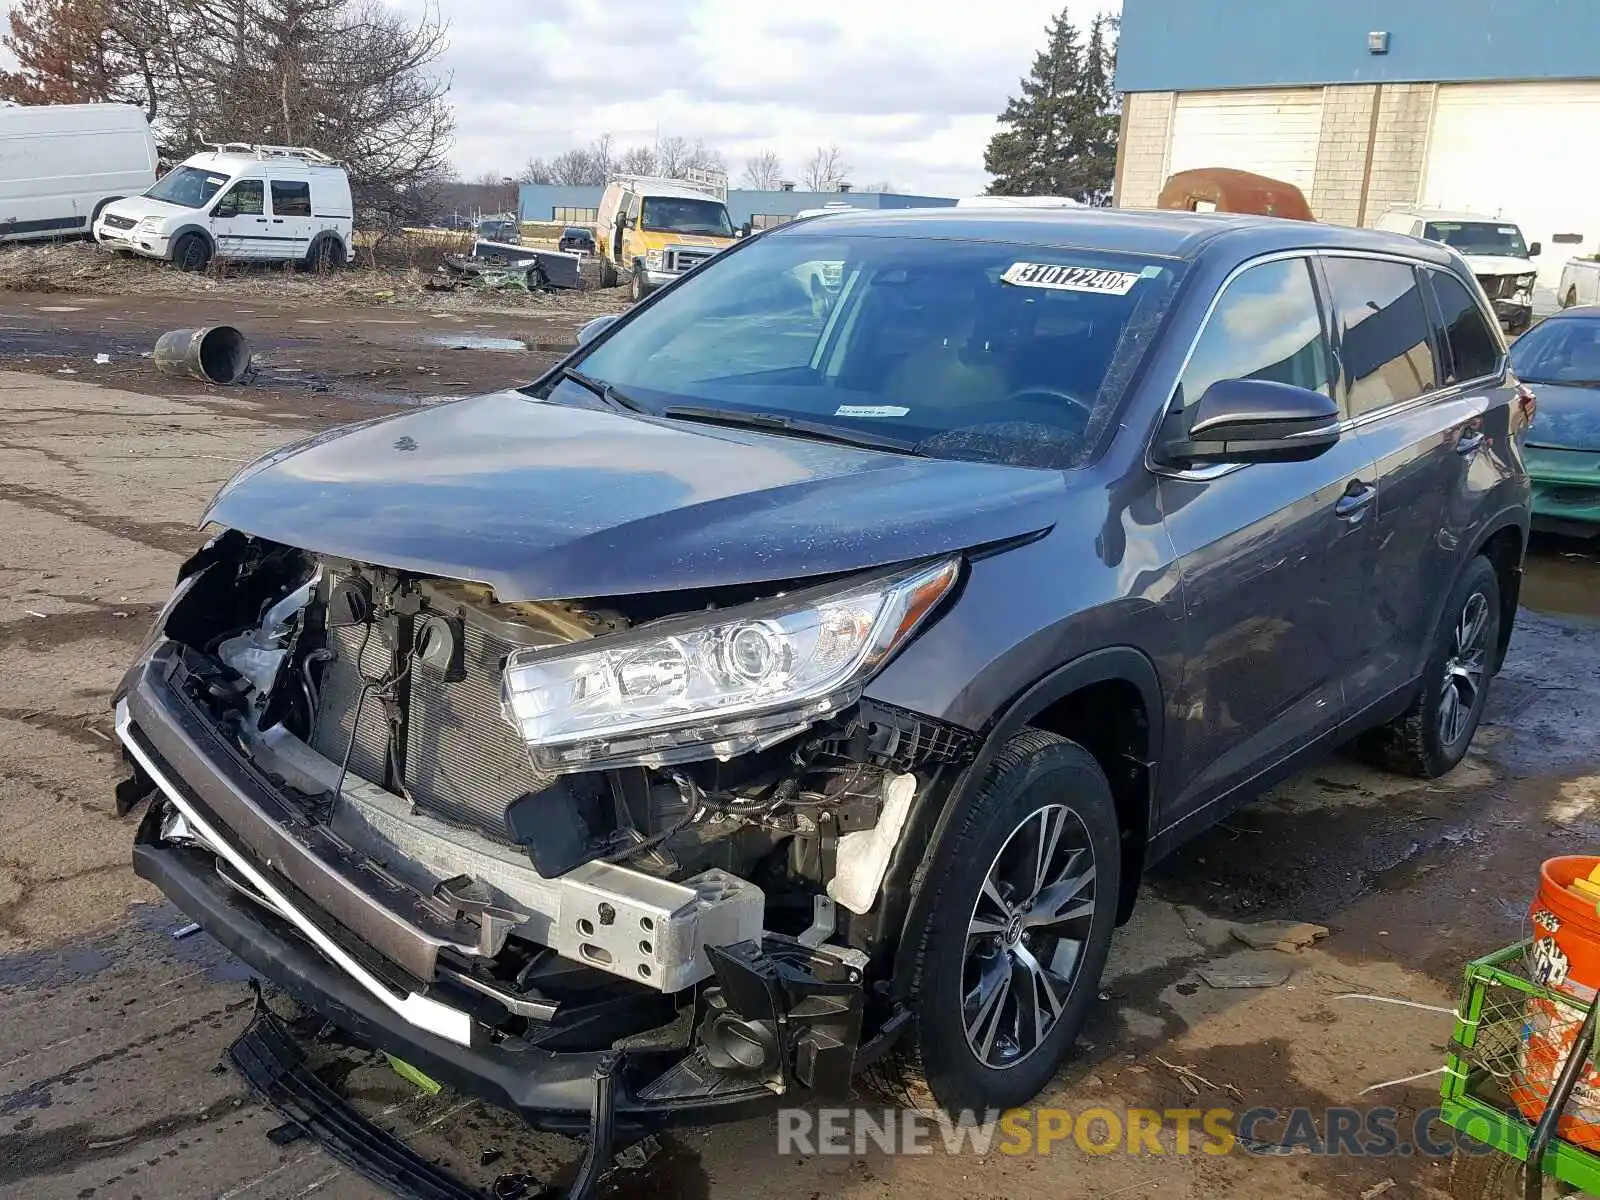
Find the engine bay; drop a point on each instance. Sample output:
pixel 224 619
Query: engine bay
pixel 373 701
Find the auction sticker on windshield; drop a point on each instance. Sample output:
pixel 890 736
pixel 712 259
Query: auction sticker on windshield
pixel 1060 278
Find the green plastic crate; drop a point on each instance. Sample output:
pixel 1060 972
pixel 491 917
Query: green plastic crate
pixel 1490 1027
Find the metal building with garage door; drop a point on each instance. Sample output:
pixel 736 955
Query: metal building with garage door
pixel 1468 105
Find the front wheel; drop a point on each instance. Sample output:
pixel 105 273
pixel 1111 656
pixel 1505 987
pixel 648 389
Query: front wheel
pixel 1432 736
pixel 192 253
pixel 1010 950
pixel 640 286
pixel 1570 300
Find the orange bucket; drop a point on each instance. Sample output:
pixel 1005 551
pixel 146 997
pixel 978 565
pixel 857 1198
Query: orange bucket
pixel 1565 957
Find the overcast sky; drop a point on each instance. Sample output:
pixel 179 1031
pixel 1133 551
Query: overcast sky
pixel 909 95
pixel 908 89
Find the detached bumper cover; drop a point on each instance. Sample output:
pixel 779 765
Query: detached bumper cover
pixel 552 1090
pixel 330 960
pixel 295 867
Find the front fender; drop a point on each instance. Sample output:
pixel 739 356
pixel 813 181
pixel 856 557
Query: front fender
pixel 904 893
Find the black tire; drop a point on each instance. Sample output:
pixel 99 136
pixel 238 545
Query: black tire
pixel 608 273
pixel 639 285
pixel 1036 778
pixel 192 253
pixel 325 254
pixel 1570 300
pixel 1487 1175
pixel 1417 742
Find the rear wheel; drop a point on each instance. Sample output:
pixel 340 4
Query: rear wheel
pixel 608 273
pixel 192 253
pixel 326 254
pixel 1009 952
pixel 1432 736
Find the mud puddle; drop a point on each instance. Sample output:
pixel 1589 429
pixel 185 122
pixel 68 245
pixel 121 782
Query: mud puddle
pixel 1563 576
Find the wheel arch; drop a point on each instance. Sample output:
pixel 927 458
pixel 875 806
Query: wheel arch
pixel 183 231
pixel 1110 702
pixel 1504 542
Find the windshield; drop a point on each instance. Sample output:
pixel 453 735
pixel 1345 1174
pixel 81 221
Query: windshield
pixel 977 350
pixel 187 187
pixel 1562 350
pixel 672 214
pixel 1478 237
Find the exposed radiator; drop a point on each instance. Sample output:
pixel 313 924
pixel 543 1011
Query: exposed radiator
pixel 340 693
pixel 463 761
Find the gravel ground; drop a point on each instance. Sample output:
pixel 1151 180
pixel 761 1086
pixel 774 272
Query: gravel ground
pixel 81 268
pixel 111 1030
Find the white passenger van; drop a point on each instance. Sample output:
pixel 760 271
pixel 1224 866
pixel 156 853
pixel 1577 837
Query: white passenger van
pixel 258 203
pixel 61 164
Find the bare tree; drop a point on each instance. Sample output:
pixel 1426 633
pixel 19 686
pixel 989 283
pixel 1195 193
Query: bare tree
pixel 637 160
pixel 353 78
pixel 677 156
pixel 825 166
pixel 672 156
pixel 763 171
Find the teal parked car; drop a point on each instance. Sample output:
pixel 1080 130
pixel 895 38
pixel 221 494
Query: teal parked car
pixel 1560 358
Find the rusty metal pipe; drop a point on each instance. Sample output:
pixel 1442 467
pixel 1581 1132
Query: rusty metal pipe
pixel 214 354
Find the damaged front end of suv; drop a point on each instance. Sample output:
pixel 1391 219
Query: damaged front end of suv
pixel 507 840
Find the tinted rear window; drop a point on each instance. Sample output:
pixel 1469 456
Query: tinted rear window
pixel 290 198
pixel 1386 336
pixel 1474 349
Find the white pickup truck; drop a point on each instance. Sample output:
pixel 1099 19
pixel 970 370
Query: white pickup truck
pixel 1580 282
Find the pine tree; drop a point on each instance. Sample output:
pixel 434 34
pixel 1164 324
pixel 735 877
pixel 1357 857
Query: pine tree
pixel 66 54
pixel 1060 136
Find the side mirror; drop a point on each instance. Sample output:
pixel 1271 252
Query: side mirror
pixel 228 206
pixel 746 228
pixel 1533 250
pixel 1257 421
pixel 595 328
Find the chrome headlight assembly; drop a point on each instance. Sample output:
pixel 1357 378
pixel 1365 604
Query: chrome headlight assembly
pixel 695 688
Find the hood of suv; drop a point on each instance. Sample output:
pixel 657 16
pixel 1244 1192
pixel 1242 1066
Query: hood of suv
pixel 1499 264
pixel 140 207
pixel 545 502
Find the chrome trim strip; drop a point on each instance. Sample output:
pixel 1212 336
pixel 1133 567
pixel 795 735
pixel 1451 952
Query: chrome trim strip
pixel 414 1008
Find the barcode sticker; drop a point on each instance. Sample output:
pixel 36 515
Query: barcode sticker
pixel 870 410
pixel 1059 277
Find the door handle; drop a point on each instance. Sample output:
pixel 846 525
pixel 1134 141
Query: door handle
pixel 277 220
pixel 1352 506
pixel 1469 441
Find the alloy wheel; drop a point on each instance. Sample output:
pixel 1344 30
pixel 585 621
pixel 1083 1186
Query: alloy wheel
pixel 1026 936
pixel 1464 670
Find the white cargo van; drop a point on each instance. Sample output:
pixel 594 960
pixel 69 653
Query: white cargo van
pixel 258 203
pixel 61 164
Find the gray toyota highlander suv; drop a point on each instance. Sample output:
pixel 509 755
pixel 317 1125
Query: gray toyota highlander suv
pixel 798 679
